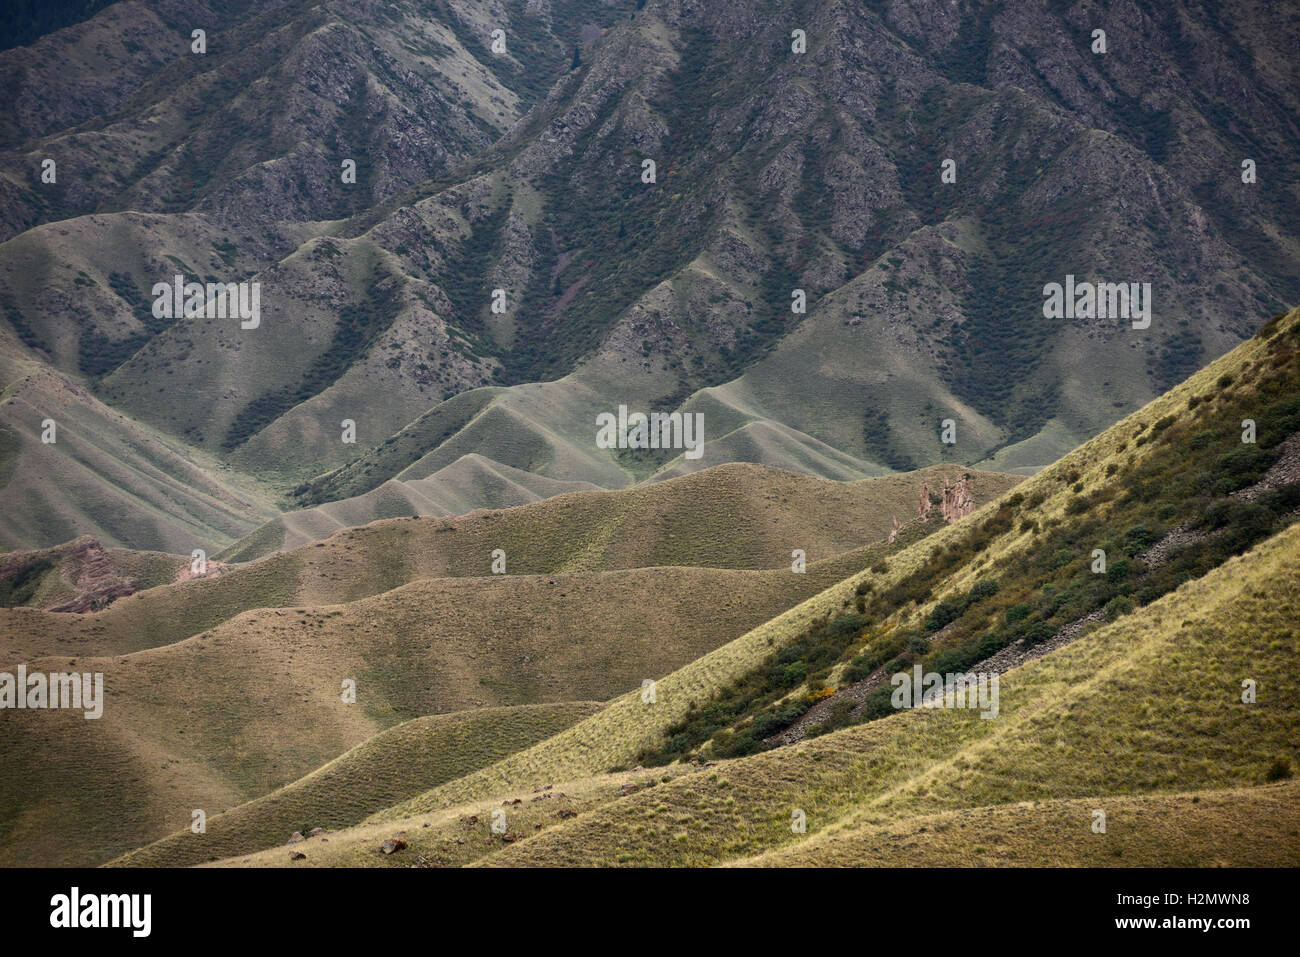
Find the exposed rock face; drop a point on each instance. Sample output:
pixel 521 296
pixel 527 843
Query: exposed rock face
pixel 98 598
pixel 1285 471
pixel 87 573
pixel 85 568
pixel 88 567
pixel 958 500
pixel 211 570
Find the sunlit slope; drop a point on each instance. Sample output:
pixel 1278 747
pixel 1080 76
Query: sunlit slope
pixel 1149 704
pixel 385 769
pixel 1242 827
pixel 733 517
pixel 633 722
pixel 958 554
pixel 737 515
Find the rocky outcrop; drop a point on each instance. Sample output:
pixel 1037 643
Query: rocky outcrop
pixel 923 508
pixel 88 579
pixel 1285 471
pixel 958 500
pixel 86 565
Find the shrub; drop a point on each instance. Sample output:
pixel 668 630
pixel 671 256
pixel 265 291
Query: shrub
pixel 1118 570
pixel 1119 605
pixel 954 660
pixel 945 613
pixel 1038 632
pixel 845 625
pixel 1244 464
pixel 771 722
pixel 1138 539
pixel 1019 612
pixel 794 674
pixel 1279 770
pixel 877 704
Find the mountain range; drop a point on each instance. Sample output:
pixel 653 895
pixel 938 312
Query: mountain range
pixel 310 317
pixel 522 171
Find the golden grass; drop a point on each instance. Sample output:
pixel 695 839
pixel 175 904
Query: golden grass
pixel 462 834
pixel 1145 705
pixel 740 517
pixel 1240 827
pixel 378 773
pixel 254 703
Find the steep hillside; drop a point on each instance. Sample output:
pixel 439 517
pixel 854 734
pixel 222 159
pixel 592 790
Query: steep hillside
pixel 731 518
pixel 1245 827
pixel 385 769
pixel 71 466
pixel 923 768
pixel 506 267
pixel 1105 740
pixel 1146 463
pixel 430 646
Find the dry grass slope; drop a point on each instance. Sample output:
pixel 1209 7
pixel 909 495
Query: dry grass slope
pixel 739 517
pixel 378 773
pixel 1150 704
pixel 1241 827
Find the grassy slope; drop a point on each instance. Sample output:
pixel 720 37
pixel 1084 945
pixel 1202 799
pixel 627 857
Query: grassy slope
pixel 1194 644
pixel 459 834
pixel 622 730
pixel 108 476
pixel 733 517
pixel 1241 827
pixel 737 516
pixel 380 772
pixel 1145 705
pixel 434 645
pixel 254 703
pixel 1081 723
